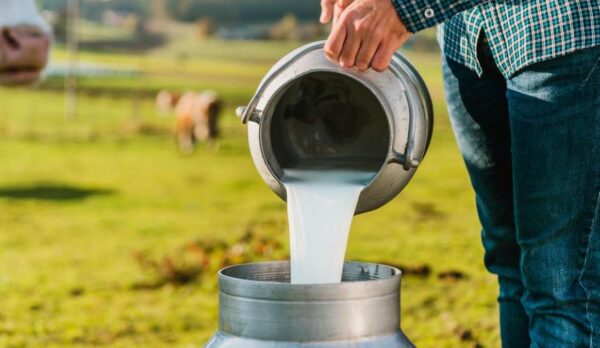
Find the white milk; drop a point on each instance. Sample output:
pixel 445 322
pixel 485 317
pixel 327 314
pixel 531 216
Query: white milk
pixel 321 205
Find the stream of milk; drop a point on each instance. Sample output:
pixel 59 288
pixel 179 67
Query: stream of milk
pixel 321 205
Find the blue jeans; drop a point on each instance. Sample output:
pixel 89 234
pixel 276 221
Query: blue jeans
pixel 531 144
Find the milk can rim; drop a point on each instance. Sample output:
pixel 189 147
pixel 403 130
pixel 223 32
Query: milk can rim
pixel 278 291
pixel 272 291
pixel 222 276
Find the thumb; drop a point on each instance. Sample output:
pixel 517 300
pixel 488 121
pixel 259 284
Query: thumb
pixel 326 10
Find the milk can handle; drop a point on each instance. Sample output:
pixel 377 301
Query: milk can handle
pixel 406 159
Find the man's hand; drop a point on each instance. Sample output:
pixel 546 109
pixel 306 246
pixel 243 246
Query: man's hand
pixel 23 54
pixel 366 34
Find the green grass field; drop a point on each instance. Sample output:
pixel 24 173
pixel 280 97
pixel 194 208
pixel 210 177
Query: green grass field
pixel 79 198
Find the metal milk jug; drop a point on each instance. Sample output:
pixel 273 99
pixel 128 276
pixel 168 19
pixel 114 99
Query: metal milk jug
pixel 259 308
pixel 309 111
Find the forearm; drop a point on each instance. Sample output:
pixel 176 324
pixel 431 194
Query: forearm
pixel 421 14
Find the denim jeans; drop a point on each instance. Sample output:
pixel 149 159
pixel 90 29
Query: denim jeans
pixel 531 144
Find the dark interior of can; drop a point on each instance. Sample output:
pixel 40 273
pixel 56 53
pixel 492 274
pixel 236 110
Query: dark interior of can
pixel 279 272
pixel 329 119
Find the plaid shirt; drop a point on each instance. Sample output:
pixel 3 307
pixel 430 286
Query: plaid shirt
pixel 519 32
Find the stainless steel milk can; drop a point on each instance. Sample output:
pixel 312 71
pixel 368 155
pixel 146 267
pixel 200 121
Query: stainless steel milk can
pixel 309 111
pixel 259 308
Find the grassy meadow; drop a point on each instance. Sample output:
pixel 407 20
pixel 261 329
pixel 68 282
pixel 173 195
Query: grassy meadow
pixel 81 199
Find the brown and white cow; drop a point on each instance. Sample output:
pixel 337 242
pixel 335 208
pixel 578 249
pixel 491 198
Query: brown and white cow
pixel 197 118
pixel 24 42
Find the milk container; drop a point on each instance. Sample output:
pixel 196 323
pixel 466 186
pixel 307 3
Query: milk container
pixel 259 308
pixel 309 112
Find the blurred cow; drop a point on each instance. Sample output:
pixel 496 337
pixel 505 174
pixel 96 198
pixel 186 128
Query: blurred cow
pixel 24 42
pixel 197 118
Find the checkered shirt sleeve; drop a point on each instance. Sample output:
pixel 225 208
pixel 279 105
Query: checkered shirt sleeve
pixel 421 14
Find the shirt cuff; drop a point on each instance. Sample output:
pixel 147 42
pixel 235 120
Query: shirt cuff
pixel 422 14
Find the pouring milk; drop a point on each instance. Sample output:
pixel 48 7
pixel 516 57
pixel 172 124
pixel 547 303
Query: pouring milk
pixel 321 205
pixel 324 187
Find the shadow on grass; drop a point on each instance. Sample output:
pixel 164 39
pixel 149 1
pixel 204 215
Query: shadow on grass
pixel 51 192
